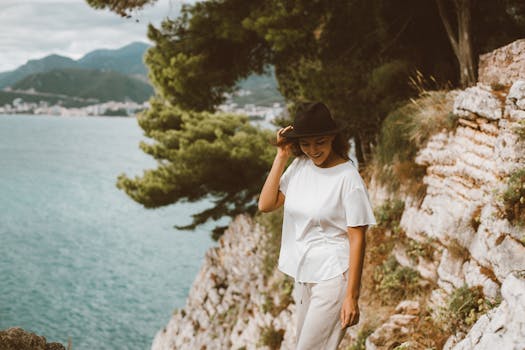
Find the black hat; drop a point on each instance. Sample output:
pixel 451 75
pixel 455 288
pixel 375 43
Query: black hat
pixel 312 120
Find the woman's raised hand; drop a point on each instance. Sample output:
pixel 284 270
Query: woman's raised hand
pixel 284 146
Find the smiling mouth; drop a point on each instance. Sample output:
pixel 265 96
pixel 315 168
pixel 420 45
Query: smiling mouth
pixel 316 156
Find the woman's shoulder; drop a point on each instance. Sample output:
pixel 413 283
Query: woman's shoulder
pixel 351 175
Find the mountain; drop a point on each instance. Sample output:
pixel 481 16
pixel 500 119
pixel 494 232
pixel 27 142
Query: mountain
pixel 126 60
pixel 115 78
pixel 36 66
pixel 87 83
pixel 262 90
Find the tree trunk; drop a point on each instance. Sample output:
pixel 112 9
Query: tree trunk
pixel 461 42
pixel 466 60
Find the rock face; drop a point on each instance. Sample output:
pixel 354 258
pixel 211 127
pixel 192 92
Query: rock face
pixel 399 324
pixel 226 307
pixel 467 169
pixel 16 338
pixel 504 326
pixel 503 66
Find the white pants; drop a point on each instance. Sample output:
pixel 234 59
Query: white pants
pixel 318 309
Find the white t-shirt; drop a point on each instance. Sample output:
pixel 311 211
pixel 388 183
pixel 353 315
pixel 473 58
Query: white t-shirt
pixel 320 203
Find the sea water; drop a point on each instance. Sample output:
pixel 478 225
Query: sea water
pixel 79 259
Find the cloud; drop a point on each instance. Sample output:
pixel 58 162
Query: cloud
pixel 32 29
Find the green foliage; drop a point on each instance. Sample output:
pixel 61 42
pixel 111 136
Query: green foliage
pixel 416 249
pixel 520 130
pixel 359 343
pixel 87 83
pixel 271 337
pixel 116 112
pixel 272 222
pixel 388 230
pixel 121 7
pixel 394 282
pixel 202 54
pixel 514 198
pixel 463 308
pixel 7 97
pixel 280 291
pixel 389 214
pixel 404 132
pixel 201 155
pixel 403 346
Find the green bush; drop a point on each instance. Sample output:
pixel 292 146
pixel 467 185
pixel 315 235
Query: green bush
pixel 389 214
pixel 394 282
pixel 404 132
pixel 282 289
pixel 272 222
pixel 359 343
pixel 463 308
pixel 514 198
pixel 416 249
pixel 520 130
pixel 272 337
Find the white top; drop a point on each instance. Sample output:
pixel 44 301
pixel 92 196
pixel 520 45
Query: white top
pixel 320 203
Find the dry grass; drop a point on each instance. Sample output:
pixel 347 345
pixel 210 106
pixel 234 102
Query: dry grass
pixel 404 132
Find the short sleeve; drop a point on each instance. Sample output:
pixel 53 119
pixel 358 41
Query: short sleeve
pixel 285 177
pixel 357 206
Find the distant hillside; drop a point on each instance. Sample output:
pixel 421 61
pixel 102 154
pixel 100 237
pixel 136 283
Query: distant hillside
pixel 263 90
pixel 49 74
pixel 126 60
pixel 36 66
pixel 7 97
pixel 86 83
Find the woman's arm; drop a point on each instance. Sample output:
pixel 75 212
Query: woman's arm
pixel 271 198
pixel 350 309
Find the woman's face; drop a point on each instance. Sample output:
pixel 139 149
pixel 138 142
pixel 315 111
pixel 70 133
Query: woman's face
pixel 317 148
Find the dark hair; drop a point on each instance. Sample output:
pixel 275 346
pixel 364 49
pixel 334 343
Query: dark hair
pixel 339 145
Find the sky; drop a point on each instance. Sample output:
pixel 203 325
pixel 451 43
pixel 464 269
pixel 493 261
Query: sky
pixel 32 29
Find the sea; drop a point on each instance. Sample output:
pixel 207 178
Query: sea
pixel 80 261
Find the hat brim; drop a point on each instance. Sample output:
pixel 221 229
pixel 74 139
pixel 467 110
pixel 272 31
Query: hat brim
pixel 291 133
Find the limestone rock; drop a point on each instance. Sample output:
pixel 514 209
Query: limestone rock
pixel 478 101
pixel 396 328
pixel 504 326
pixel 16 338
pixel 504 65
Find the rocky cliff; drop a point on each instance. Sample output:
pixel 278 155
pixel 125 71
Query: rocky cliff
pixel 464 239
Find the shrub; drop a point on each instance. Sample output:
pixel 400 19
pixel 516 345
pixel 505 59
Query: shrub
pixel 359 343
pixel 394 282
pixel 417 249
pixel 272 222
pixel 282 289
pixel 520 130
pixel 389 214
pixel 405 131
pixel 272 337
pixel 464 306
pixel 514 198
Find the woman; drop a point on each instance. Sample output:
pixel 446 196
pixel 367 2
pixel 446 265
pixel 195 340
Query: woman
pixel 326 214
